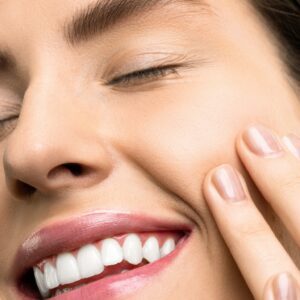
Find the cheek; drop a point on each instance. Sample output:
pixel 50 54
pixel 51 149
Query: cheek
pixel 180 132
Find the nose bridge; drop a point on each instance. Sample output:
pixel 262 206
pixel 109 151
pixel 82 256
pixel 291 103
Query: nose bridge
pixel 50 147
pixel 47 110
pixel 46 119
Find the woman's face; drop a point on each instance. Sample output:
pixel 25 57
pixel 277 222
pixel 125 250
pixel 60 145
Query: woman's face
pixel 90 152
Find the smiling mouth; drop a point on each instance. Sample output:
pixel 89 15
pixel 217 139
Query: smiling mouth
pixel 70 270
pixel 93 256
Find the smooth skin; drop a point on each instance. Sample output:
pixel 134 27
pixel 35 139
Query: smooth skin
pixel 147 146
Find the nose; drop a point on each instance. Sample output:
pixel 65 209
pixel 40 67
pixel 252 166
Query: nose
pixel 54 148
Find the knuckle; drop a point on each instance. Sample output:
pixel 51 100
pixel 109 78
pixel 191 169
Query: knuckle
pixel 251 231
pixel 249 227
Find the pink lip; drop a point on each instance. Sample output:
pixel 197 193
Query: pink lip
pixel 125 284
pixel 74 232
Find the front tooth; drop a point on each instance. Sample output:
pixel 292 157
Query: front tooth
pixel 89 261
pixel 167 247
pixel 111 252
pixel 40 281
pixel 67 269
pixel 132 249
pixel 151 249
pixel 50 276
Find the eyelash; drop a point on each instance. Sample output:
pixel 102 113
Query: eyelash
pixel 153 73
pixel 7 125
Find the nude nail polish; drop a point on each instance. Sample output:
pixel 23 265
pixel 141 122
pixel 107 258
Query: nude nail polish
pixel 228 185
pixel 284 287
pixel 292 142
pixel 261 141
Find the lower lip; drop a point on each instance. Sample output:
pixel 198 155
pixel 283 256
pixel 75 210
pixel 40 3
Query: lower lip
pixel 122 284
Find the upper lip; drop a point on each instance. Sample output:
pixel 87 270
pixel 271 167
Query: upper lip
pixel 77 231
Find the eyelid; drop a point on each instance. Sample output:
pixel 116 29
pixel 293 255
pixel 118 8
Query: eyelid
pixel 142 72
pixel 9 108
pixel 147 61
pixel 130 60
pixel 7 119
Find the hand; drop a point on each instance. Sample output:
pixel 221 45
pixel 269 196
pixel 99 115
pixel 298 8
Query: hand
pixel 274 165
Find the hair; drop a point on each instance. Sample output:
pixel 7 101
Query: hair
pixel 283 18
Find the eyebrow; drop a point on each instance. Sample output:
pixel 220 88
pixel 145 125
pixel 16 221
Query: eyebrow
pixel 101 16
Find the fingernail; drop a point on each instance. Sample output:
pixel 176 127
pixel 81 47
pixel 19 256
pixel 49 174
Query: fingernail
pixel 261 141
pixel 228 185
pixel 284 287
pixel 292 142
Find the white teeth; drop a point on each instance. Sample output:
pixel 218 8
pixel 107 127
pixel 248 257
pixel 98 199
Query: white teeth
pixel 67 269
pixel 89 261
pixel 151 249
pixel 50 276
pixel 132 249
pixel 111 252
pixel 167 248
pixel 40 281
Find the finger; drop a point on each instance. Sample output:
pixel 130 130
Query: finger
pixel 275 171
pixel 255 248
pixel 282 287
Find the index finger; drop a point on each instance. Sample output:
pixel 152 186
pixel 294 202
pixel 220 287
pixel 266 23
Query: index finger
pixel 252 243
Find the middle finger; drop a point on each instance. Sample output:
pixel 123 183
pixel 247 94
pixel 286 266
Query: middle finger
pixel 274 166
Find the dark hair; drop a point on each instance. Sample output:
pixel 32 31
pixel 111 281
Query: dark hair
pixel 283 18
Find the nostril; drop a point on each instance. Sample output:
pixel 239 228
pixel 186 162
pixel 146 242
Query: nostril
pixel 24 189
pixel 74 169
pixel 60 174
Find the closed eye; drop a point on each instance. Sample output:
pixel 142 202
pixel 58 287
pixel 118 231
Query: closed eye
pixel 144 76
pixel 7 125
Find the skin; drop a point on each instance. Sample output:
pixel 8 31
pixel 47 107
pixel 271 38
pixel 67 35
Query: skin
pixel 188 124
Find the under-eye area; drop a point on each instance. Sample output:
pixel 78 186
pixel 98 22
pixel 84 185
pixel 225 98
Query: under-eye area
pixel 112 256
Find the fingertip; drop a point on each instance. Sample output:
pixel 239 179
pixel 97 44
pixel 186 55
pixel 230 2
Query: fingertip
pixel 241 146
pixel 225 183
pixel 207 186
pixel 282 286
pixel 292 144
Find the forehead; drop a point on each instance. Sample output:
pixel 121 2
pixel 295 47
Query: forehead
pixel 28 27
pixel 64 9
pixel 45 12
pixel 75 21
